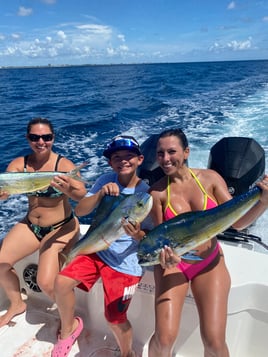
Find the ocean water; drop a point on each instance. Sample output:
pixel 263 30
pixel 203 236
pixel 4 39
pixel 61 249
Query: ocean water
pixel 88 105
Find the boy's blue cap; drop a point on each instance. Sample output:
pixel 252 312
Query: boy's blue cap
pixel 122 142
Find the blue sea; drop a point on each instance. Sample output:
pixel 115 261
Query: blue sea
pixel 88 105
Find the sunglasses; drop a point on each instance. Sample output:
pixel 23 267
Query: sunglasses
pixel 121 142
pixel 35 137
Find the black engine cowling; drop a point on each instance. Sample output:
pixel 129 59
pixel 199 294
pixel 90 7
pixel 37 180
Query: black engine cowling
pixel 149 171
pixel 240 161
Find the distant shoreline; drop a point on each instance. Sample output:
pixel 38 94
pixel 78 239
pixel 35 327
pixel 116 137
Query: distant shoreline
pixel 63 66
pixel 120 64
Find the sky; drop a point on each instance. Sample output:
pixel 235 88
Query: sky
pixel 77 32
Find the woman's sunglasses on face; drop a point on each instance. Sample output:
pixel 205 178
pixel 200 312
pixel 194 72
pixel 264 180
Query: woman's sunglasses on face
pixel 35 137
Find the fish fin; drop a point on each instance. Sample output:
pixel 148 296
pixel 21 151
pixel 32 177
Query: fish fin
pixel 191 256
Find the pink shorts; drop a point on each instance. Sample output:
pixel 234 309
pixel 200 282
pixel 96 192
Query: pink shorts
pixel 118 287
pixel 190 271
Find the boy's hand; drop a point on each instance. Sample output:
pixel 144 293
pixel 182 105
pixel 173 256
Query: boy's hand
pixel 132 229
pixel 111 189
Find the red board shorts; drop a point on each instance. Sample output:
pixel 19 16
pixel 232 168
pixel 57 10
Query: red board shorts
pixel 118 287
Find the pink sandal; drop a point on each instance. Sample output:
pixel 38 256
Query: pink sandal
pixel 63 346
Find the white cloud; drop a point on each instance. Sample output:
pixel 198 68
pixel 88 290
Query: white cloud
pixel 233 45
pixel 9 51
pixel 110 51
pixel 265 19
pixel 23 11
pixel 95 29
pixel 123 48
pixel 231 5
pixel 61 35
pixel 83 40
pixel 239 45
pixel 121 37
pixel 15 36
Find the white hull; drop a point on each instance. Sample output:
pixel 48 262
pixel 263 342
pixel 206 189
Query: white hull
pixel 247 331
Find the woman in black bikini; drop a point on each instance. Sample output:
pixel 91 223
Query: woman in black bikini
pixel 49 225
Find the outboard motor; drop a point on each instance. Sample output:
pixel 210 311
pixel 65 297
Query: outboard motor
pixel 240 161
pixel 149 170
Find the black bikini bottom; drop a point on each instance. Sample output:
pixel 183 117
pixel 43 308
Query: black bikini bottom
pixel 40 232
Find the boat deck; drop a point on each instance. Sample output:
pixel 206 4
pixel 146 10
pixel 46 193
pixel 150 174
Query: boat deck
pixel 34 332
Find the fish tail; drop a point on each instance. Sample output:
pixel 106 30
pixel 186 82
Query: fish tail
pixel 64 259
pixel 74 172
pixel 79 167
pixel 85 163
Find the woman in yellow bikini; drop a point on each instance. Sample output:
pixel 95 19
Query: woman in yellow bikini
pixel 182 190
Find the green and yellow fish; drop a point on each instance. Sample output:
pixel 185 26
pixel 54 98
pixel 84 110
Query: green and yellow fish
pixel 107 223
pixel 187 231
pixel 26 182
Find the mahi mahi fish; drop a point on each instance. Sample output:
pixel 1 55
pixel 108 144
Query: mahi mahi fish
pixel 26 182
pixel 107 223
pixel 186 231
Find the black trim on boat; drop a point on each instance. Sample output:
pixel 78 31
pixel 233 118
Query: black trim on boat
pixel 232 235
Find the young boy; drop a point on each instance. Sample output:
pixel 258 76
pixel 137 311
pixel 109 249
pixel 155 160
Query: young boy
pixel 117 266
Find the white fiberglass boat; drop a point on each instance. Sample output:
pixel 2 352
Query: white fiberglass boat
pixel 33 333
